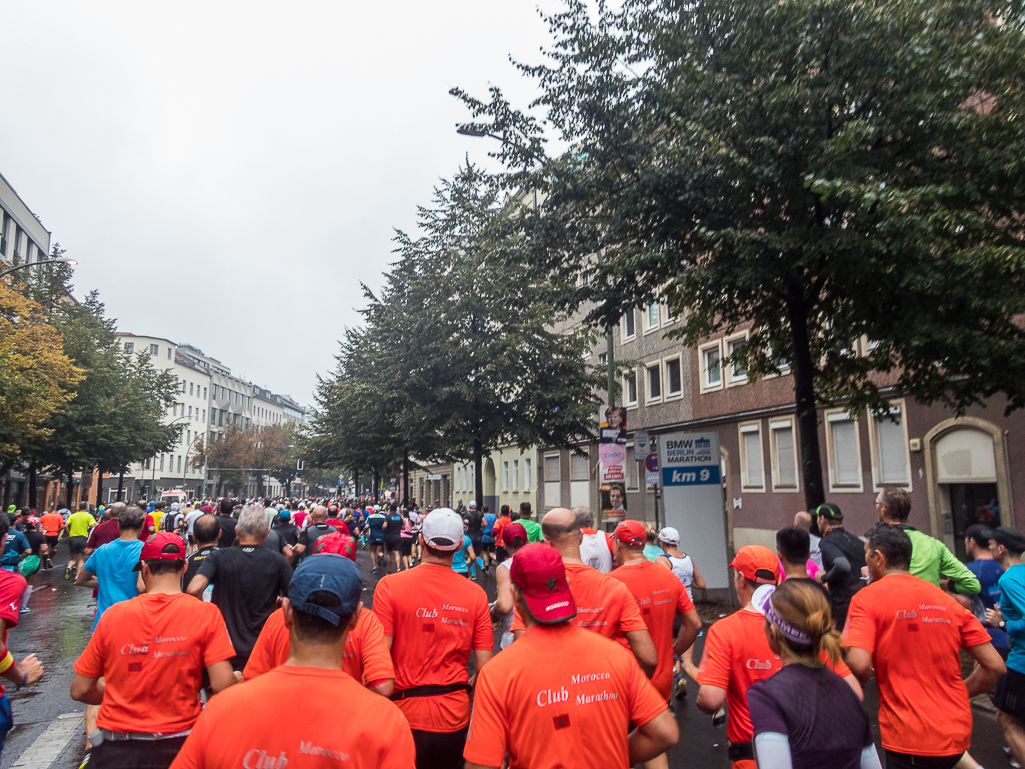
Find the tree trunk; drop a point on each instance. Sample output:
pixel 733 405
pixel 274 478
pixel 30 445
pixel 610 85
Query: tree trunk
pixel 405 475
pixel 377 478
pixel 121 486
pixel 478 473
pixel 99 486
pixel 33 490
pixel 355 482
pixel 259 484
pixel 70 497
pixel 804 393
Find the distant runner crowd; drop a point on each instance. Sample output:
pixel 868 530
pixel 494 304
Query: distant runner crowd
pixel 234 633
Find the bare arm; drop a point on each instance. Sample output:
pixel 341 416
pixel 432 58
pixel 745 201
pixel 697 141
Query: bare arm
pixel 198 584
pixel 644 650
pixel 991 666
pixel 852 682
pixel 384 688
pixel 221 675
pixel 654 738
pixel 480 658
pixel 86 578
pixel 710 699
pixel 860 663
pixel 688 632
pixel 504 594
pixel 87 690
pixel 698 581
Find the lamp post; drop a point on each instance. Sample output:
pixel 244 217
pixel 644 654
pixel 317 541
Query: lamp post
pixel 9 270
pixel 466 130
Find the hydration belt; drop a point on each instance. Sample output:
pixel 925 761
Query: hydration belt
pixel 431 690
pixel 741 751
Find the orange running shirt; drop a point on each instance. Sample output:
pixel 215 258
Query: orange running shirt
pixel 919 631
pixel 736 655
pixel 289 718
pixel 435 617
pixel 151 651
pixel 559 697
pixel 604 605
pixel 52 524
pixel 660 596
pixel 366 657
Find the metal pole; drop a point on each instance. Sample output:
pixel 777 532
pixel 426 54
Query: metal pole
pixel 9 270
pixel 611 362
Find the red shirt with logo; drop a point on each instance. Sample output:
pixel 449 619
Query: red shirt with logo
pixel 12 585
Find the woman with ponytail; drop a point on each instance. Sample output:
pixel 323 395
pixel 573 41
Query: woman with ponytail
pixel 806 716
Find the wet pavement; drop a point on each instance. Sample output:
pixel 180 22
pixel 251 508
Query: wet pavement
pixel 59 624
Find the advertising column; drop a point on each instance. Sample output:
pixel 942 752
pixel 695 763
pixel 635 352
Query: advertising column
pixel 692 490
pixel 612 457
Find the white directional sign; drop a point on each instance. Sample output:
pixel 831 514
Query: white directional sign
pixel 692 489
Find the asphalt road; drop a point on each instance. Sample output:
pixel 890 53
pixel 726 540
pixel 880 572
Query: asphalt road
pixel 48 731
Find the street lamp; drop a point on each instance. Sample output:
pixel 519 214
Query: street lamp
pixel 9 270
pixel 469 130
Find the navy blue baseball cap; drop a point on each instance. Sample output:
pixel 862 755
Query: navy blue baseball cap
pixel 329 573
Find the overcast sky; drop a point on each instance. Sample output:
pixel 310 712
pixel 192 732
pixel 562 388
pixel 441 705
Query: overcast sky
pixel 226 173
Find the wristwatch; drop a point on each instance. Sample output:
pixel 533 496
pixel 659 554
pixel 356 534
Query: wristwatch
pixel 1003 624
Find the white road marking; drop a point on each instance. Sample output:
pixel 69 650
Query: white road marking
pixel 51 742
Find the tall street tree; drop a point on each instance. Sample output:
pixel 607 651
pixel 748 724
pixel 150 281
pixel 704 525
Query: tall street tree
pixel 828 170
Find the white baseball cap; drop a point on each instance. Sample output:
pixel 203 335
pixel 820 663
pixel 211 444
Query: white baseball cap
pixel 473 505
pixel 669 535
pixel 443 529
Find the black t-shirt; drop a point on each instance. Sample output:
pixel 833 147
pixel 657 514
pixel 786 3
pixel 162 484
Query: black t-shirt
pixel 274 542
pixel 311 534
pixel 394 531
pixel 247 581
pixel 836 544
pixel 288 532
pixel 228 526
pixel 473 524
pixel 36 540
pixel 818 712
pixel 193 562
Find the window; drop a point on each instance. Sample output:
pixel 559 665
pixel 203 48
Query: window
pixel 161 463
pixel 174 410
pixel 188 437
pixel 204 393
pixel 674 380
pixel 630 388
pixel 738 371
pixel 204 416
pixel 603 358
pixel 190 412
pixel 751 476
pixel 179 463
pixel 784 457
pixel 579 469
pixel 190 389
pixel 630 468
pixel 516 475
pixel 843 451
pixel 527 480
pixel 670 313
pixel 169 353
pixel 553 470
pixel 154 349
pixel 651 317
pixel 654 377
pixel 220 418
pixel 711 366
pixel 629 331
pixel 130 347
pixel 145 465
pixel 889 443
pixel 505 476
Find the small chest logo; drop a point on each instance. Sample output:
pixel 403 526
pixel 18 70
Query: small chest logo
pixel 429 627
pixel 561 722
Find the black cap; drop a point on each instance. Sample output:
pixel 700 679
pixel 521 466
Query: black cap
pixel 829 511
pixel 1010 538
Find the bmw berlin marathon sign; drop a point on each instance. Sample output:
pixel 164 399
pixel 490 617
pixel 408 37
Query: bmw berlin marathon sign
pixel 692 493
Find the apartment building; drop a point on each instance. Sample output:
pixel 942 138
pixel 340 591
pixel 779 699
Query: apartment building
pixel 23 238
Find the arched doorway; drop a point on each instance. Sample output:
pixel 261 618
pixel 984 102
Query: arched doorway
pixel 490 497
pixel 967 479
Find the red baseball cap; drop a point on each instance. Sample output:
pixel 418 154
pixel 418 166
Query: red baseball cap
pixel 538 572
pixel 631 532
pixel 337 543
pixel 512 531
pixel 162 546
pixel 758 564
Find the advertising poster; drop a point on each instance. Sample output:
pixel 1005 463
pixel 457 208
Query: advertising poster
pixel 612 458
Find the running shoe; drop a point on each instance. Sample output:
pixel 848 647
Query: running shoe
pixel 680 686
pixel 67 574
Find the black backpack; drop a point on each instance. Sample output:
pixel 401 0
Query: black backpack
pixel 167 523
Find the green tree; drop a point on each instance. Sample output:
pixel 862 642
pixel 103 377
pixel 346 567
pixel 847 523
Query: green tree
pixel 828 170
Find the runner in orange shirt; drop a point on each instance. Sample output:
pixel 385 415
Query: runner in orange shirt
pixel 660 596
pixel 51 524
pixel 432 619
pixel 604 605
pixel 737 654
pixel 912 633
pixel 289 716
pixel 561 696
pixel 151 652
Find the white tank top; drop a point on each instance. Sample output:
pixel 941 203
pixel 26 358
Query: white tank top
pixel 507 620
pixel 683 568
pixel 594 551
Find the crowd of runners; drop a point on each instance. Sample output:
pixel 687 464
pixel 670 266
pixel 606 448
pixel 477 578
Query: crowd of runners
pixel 235 633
